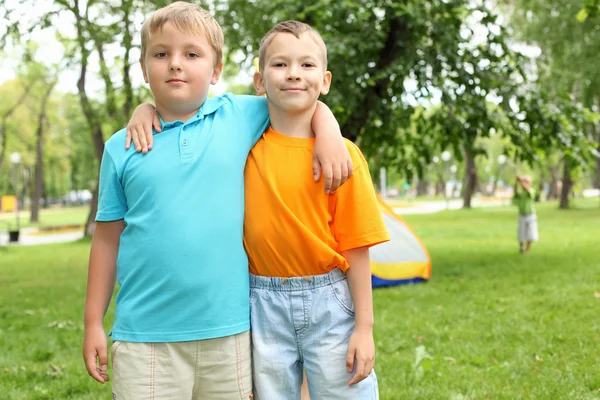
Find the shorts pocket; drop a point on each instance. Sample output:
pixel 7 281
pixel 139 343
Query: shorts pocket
pixel 244 365
pixel 113 349
pixel 343 297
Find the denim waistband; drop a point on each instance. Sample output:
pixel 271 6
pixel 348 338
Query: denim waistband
pixel 297 282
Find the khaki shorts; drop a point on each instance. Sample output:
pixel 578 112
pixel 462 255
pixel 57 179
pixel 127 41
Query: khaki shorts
pixel 213 369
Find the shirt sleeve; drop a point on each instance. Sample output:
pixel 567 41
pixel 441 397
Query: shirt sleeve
pixel 256 114
pixel 357 219
pixel 112 204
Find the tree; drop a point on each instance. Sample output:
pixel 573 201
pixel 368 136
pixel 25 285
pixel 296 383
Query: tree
pixel 40 136
pixel 376 49
pixel 568 33
pixel 93 35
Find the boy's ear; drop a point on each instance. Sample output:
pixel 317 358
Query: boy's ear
pixel 326 82
pixel 216 74
pixel 259 84
pixel 144 70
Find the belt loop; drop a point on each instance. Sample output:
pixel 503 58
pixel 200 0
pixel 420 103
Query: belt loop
pixel 283 281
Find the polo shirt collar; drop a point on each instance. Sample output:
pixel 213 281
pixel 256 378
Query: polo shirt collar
pixel 210 106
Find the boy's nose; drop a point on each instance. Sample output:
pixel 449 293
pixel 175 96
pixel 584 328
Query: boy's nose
pixel 175 65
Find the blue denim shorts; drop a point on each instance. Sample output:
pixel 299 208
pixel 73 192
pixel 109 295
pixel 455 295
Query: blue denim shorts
pixel 304 324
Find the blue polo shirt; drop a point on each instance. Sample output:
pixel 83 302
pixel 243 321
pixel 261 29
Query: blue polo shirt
pixel 181 268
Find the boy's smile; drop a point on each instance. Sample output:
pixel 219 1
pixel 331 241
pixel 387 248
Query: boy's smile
pixel 180 67
pixel 294 74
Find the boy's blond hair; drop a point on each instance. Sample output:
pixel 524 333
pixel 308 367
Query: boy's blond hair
pixel 189 18
pixel 296 28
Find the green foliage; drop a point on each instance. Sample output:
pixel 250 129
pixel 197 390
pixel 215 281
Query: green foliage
pixel 393 61
pixel 570 48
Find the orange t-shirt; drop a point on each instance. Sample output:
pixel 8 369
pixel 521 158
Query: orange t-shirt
pixel 291 227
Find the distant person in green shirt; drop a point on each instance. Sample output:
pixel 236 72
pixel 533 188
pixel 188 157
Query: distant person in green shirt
pixel 524 198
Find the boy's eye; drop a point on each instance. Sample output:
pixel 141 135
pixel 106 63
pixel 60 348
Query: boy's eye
pixel 161 54
pixel 193 55
pixel 279 64
pixel 308 65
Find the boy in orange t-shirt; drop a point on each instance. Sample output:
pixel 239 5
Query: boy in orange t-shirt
pixel 310 283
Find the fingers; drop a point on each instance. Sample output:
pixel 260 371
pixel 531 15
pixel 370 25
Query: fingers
pixel 103 363
pixel 156 123
pixel 327 177
pixel 337 177
pixel 316 165
pixel 128 139
pixel 92 369
pixel 350 360
pixel 362 370
pixel 136 139
pixel 143 141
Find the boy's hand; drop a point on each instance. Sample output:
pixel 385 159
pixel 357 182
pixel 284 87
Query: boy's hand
pixel 140 126
pixel 361 354
pixel 332 160
pixel 95 346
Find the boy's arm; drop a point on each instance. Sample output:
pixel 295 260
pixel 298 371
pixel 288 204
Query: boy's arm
pixel 139 127
pixel 330 157
pixel 101 283
pixel 361 348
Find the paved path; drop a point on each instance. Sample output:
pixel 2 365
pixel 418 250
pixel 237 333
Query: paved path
pixel 31 237
pixel 430 207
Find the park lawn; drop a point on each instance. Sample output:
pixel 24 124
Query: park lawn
pixel 49 217
pixel 491 324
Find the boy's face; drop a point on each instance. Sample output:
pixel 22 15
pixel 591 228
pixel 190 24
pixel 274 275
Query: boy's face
pixel 180 67
pixel 294 73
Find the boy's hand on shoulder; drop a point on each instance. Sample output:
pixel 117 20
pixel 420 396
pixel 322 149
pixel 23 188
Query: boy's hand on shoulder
pixel 332 160
pixel 95 347
pixel 361 354
pixel 139 128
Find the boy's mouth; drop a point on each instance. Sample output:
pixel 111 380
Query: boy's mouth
pixel 175 80
pixel 293 90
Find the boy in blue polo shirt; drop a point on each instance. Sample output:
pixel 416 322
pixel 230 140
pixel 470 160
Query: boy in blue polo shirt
pixel 170 227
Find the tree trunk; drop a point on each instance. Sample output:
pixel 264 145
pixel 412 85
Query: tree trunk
pixel 90 225
pixel 439 187
pixel 39 163
pixel 597 180
pixel 470 182
pixel 90 114
pixel 422 186
pixel 397 33
pixel 553 192
pixel 567 184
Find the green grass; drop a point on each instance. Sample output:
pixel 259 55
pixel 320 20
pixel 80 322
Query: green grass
pixel 49 217
pixel 491 324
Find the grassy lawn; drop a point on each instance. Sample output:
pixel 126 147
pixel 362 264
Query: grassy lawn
pixel 49 217
pixel 491 324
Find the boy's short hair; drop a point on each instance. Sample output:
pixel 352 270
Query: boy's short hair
pixel 189 18
pixel 296 28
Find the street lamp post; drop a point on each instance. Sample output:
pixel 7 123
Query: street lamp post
pixel 15 159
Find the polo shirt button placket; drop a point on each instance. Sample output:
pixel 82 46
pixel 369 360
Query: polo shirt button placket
pixel 185 151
